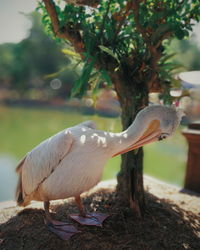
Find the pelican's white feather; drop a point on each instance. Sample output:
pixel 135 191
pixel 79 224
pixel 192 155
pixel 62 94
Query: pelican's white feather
pixel 43 160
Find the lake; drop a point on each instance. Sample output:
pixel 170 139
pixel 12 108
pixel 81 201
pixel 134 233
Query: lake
pixel 23 128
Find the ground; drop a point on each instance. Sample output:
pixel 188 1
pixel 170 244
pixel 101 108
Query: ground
pixel 171 221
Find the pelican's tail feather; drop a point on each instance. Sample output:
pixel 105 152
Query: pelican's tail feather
pixel 19 194
pixel 19 190
pixel 20 164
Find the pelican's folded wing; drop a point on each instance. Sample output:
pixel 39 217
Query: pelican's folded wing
pixel 43 159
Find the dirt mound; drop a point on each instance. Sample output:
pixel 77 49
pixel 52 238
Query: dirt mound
pixel 171 221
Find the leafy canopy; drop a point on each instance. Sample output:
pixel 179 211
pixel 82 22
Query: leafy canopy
pixel 118 32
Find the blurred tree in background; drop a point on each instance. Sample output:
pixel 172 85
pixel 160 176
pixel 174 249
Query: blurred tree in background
pixel 123 42
pixel 23 66
pixel 186 54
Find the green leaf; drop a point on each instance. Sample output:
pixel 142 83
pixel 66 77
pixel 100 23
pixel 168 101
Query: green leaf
pixel 177 66
pixel 105 77
pixel 80 85
pixel 109 51
pixel 179 34
pixel 167 57
pixel 95 83
pixel 94 76
pixel 70 53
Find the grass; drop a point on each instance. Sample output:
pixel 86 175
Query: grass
pixel 21 129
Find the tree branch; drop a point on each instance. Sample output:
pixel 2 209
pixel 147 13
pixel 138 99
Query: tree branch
pixel 104 18
pixel 91 3
pixel 65 32
pixel 153 49
pixel 163 37
pixel 121 17
pixel 140 28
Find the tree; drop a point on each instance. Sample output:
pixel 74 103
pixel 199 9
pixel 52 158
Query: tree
pixel 123 42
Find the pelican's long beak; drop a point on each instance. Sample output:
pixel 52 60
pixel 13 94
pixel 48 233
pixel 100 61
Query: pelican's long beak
pixel 150 135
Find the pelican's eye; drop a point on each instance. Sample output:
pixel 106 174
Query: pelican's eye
pixel 163 136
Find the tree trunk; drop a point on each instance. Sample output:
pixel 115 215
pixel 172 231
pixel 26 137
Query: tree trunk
pixel 133 96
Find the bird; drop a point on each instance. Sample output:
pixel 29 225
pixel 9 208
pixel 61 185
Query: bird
pixel 72 162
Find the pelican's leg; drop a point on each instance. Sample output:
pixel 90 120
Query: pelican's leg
pixel 80 206
pixel 92 219
pixel 62 229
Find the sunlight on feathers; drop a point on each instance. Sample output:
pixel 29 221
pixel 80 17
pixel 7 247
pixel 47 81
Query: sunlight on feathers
pixel 83 139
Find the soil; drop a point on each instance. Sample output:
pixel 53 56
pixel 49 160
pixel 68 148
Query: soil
pixel 171 221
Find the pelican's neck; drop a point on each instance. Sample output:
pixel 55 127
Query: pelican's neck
pixel 134 131
pixel 132 134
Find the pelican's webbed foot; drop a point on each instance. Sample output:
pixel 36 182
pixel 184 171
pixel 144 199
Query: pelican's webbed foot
pixel 62 229
pixel 93 219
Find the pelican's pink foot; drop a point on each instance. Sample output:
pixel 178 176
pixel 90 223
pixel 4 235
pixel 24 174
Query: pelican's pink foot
pixel 93 219
pixel 63 230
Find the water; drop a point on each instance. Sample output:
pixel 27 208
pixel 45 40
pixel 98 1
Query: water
pixel 8 177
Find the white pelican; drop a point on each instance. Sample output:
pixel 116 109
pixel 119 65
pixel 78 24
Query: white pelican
pixel 72 161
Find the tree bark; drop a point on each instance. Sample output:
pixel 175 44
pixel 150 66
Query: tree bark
pixel 133 96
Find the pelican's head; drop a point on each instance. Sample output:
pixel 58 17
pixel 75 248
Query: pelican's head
pixel 160 122
pixel 153 123
pixel 167 119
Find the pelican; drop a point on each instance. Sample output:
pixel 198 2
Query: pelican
pixel 72 161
